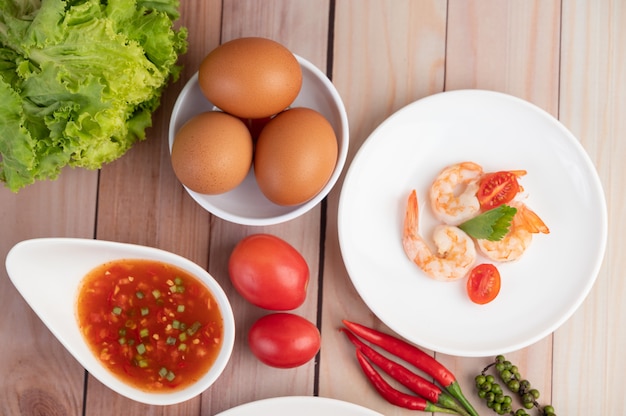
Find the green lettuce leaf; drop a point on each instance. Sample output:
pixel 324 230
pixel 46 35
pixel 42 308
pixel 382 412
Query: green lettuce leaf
pixel 79 81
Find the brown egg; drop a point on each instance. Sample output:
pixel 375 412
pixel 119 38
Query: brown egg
pixel 250 77
pixel 296 154
pixel 212 152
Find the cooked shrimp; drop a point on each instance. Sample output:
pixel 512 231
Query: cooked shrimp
pixel 455 254
pixel 453 193
pixel 525 223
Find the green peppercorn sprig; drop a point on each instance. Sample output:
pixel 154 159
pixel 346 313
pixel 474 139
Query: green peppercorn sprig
pixel 501 403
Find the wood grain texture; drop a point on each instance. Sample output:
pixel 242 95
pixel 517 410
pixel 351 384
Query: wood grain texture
pixel 510 47
pixel 520 39
pixel 141 202
pixel 38 374
pixel 589 348
pixel 568 57
pixel 302 26
pixel 384 58
pixel 507 46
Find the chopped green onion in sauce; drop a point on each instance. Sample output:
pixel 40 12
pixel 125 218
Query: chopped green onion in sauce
pixel 150 323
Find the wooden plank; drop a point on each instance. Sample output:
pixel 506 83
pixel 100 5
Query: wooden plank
pixel 38 374
pixel 589 348
pixel 302 26
pixel 299 25
pixel 512 47
pixel 481 52
pixel 509 46
pixel 386 55
pixel 141 201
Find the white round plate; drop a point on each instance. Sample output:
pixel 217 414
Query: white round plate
pixel 301 406
pixel 500 132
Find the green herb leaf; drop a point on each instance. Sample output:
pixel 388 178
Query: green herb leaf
pixel 491 225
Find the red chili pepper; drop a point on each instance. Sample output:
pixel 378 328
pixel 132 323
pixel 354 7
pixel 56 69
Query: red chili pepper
pixel 404 376
pixel 416 357
pixel 394 396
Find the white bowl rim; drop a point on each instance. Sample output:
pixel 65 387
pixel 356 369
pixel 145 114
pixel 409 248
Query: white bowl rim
pixel 298 210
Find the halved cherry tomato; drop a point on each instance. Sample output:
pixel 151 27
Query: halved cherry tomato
pixel 483 284
pixel 498 188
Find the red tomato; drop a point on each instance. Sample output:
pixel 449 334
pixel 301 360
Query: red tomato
pixel 284 340
pixel 498 188
pixel 268 272
pixel 255 125
pixel 483 284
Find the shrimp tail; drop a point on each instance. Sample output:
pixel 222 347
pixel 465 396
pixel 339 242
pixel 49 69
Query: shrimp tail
pixel 411 216
pixel 414 247
pixel 531 221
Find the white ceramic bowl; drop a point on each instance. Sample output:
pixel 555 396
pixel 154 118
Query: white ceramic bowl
pixel 47 273
pixel 246 204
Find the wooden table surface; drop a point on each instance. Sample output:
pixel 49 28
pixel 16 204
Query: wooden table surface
pixel 566 56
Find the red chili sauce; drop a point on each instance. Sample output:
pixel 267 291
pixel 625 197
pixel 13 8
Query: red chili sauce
pixel 152 324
